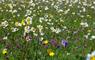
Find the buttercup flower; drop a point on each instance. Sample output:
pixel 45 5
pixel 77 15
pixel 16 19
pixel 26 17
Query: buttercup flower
pixel 51 53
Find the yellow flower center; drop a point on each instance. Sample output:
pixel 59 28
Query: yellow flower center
pixel 92 58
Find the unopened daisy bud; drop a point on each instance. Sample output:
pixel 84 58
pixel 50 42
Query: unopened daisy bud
pixel 4 51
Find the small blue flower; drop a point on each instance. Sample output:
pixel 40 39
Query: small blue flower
pixel 64 43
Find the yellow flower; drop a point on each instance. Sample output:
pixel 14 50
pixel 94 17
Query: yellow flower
pixel 45 42
pixel 92 58
pixel 4 51
pixel 22 22
pixel 51 53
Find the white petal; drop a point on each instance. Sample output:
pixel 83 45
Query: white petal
pixel 88 57
pixel 93 53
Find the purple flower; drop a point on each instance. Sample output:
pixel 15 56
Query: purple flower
pixel 64 43
pixel 53 42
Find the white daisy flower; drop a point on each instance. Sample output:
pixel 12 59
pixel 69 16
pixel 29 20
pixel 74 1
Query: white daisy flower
pixel 35 34
pixel 84 24
pixel 28 20
pixel 5 38
pixel 46 8
pixel 91 56
pixel 14 29
pixel 33 29
pixel 27 29
pixel 4 24
pixel 92 37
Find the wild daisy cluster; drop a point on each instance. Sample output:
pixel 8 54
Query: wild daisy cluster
pixel 54 23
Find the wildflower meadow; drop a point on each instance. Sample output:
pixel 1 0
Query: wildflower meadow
pixel 47 29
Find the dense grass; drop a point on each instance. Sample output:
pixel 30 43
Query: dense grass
pixel 18 48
